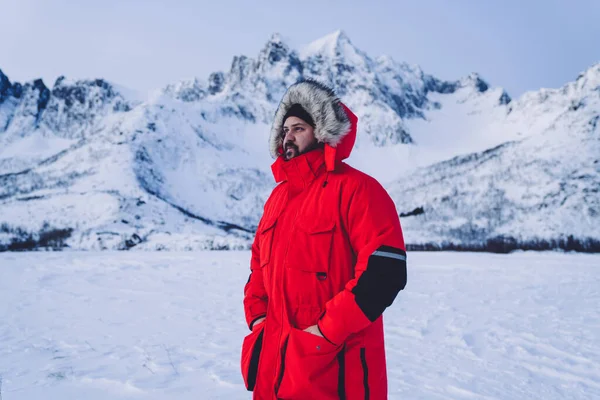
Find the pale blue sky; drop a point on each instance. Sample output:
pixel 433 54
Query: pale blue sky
pixel 519 45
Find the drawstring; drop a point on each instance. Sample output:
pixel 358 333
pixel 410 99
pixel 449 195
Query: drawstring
pixel 326 176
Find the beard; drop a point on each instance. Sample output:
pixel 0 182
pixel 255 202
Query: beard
pixel 290 150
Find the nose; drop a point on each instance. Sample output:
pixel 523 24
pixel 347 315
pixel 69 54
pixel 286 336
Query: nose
pixel 289 137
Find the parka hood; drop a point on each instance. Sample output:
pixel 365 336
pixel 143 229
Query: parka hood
pixel 335 124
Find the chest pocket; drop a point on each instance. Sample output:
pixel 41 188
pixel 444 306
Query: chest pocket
pixel 266 241
pixel 310 249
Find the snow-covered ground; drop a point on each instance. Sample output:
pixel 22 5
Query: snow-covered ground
pixel 161 325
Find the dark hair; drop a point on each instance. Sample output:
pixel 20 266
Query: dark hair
pixel 296 110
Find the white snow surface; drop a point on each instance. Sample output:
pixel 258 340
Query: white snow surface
pixel 156 325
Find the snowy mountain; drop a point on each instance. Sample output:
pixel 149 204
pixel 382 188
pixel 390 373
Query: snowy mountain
pixel 91 165
pixel 530 193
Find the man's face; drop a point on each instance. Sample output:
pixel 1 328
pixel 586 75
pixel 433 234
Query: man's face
pixel 299 137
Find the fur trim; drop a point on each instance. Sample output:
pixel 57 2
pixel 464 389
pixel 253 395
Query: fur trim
pixel 331 121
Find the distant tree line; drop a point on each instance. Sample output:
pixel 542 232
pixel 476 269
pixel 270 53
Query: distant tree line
pixel 48 238
pixel 506 244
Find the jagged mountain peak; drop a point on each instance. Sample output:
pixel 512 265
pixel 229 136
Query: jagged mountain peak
pixel 275 50
pixel 90 94
pixel 475 80
pixel 332 40
pixel 4 82
pixel 332 46
pixel 8 89
pixel 64 87
pixel 388 61
pixel 589 79
pixel 277 39
pixel 70 110
pixel 189 90
pixel 253 86
pixel 554 101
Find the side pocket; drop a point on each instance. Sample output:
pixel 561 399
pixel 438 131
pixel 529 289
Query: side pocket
pixel 311 368
pixel 251 349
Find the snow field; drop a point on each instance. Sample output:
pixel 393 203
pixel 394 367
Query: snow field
pixel 156 325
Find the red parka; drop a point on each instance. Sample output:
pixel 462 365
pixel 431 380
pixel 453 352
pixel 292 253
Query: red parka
pixel 328 251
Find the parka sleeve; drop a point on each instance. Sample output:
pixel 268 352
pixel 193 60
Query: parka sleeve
pixel 255 295
pixel 376 237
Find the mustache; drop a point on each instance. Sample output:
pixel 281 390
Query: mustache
pixel 289 145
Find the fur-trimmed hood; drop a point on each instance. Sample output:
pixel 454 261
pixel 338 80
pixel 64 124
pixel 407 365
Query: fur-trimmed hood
pixel 333 120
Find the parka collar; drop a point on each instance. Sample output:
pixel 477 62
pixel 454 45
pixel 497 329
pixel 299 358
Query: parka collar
pixel 300 171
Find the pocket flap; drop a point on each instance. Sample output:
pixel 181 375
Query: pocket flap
pixel 268 224
pixel 266 239
pixel 313 227
pixel 313 239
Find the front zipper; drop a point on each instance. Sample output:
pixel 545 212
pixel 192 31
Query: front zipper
pixel 363 360
pixel 283 349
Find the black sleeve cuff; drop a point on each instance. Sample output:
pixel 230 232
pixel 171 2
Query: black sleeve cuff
pixel 324 337
pixel 256 319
